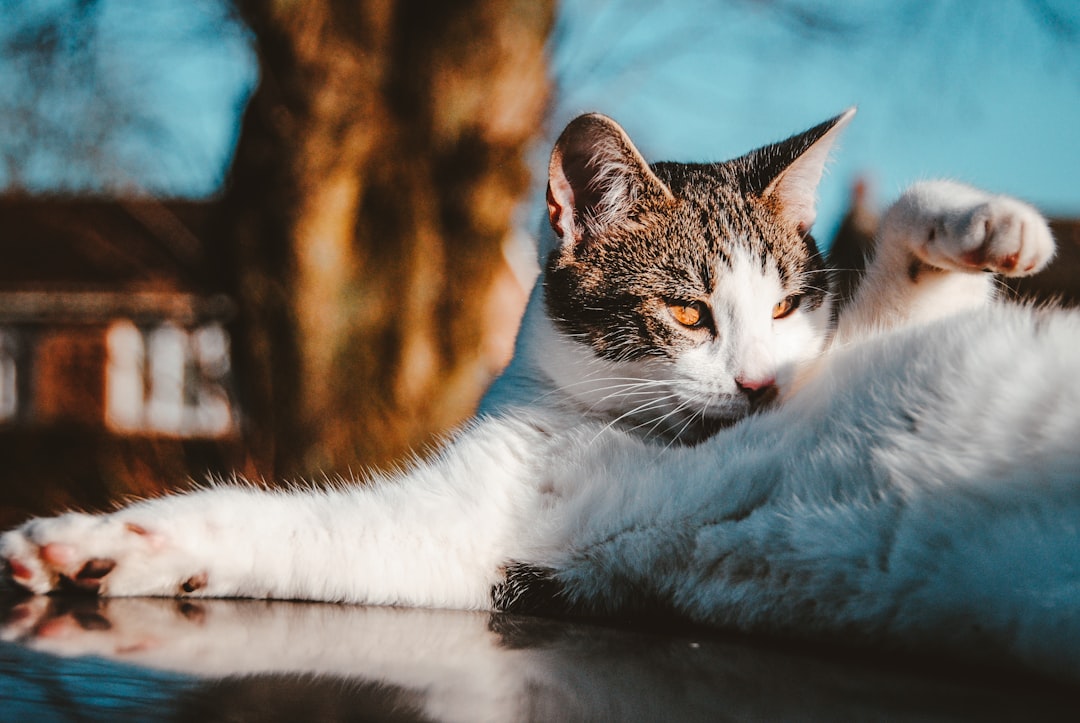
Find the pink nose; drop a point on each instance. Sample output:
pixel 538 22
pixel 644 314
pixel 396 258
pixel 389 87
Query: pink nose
pixel 755 385
pixel 759 392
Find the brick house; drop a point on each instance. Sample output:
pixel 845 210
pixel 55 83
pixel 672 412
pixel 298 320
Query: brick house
pixel 114 349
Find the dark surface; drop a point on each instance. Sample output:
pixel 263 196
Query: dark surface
pixel 149 659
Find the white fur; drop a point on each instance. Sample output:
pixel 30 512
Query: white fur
pixel 751 344
pixel 919 489
pixel 840 515
pixel 937 223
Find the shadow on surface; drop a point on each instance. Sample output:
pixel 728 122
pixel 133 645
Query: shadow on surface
pixel 156 659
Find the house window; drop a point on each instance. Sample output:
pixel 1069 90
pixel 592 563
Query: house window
pixel 168 380
pixel 125 394
pixel 9 394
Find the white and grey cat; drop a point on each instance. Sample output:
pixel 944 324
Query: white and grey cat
pixel 683 429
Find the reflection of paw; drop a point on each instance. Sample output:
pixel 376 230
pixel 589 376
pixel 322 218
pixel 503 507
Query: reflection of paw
pixel 21 620
pixel 71 626
pixel 94 554
pixel 963 229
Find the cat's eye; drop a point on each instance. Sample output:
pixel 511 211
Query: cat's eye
pixel 786 307
pixel 691 314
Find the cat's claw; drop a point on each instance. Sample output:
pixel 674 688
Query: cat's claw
pixel 91 554
pixel 23 563
pixel 968 230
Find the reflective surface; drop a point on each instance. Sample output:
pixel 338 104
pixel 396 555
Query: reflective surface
pixel 150 659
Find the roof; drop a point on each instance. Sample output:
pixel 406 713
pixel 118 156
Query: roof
pixel 104 244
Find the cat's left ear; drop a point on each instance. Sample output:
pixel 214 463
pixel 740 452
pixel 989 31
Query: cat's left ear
pixel 793 169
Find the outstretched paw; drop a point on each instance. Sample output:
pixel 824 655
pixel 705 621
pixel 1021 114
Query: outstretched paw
pixel 958 228
pixel 96 554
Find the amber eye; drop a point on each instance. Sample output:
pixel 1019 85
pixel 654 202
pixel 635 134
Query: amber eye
pixel 691 314
pixel 785 307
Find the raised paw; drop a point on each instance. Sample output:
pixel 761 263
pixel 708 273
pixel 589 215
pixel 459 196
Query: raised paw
pixel 957 228
pixel 96 554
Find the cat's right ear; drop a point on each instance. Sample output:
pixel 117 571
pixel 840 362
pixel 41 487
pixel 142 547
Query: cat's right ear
pixel 596 179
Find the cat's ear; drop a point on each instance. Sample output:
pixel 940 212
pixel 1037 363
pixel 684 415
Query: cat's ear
pixel 792 170
pixel 596 179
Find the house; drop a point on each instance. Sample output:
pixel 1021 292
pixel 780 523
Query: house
pixel 114 351
pixel 105 319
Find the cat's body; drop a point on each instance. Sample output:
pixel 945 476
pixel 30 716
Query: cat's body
pixel 916 486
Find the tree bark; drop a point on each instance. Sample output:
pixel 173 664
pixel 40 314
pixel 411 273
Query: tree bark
pixel 377 172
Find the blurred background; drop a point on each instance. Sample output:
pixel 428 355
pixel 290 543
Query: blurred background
pixel 294 239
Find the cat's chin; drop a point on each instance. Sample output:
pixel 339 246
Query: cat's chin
pixel 707 427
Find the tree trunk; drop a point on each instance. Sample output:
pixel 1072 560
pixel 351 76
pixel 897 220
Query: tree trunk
pixel 377 172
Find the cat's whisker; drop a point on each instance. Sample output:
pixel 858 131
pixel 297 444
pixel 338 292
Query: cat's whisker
pixel 698 414
pixel 647 406
pixel 628 397
pixel 626 380
pixel 651 404
pixel 684 404
pixel 810 287
pixel 589 380
pixel 627 386
pixel 648 387
pixel 658 403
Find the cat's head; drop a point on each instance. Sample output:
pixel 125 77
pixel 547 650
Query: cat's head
pixel 680 293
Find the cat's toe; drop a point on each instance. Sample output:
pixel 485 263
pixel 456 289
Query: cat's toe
pixel 23 564
pixel 1007 237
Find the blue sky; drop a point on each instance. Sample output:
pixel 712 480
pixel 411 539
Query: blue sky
pixel 984 92
pixel 144 97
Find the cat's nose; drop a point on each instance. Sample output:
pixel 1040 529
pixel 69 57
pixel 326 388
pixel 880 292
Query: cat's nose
pixel 759 391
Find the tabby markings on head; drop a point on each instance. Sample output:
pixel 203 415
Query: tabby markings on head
pixel 700 277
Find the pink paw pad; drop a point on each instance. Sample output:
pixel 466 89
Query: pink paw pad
pixel 57 554
pixel 18 570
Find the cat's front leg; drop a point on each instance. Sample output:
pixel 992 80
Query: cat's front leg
pixel 389 544
pixel 434 535
pixel 934 249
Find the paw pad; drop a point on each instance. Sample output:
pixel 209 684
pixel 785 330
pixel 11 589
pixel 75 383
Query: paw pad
pixel 95 569
pixel 195 582
pixel 18 570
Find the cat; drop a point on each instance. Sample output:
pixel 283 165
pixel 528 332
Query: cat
pixel 684 430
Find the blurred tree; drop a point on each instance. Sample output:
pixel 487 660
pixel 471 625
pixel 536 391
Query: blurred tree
pixel 378 168
pixel 361 232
